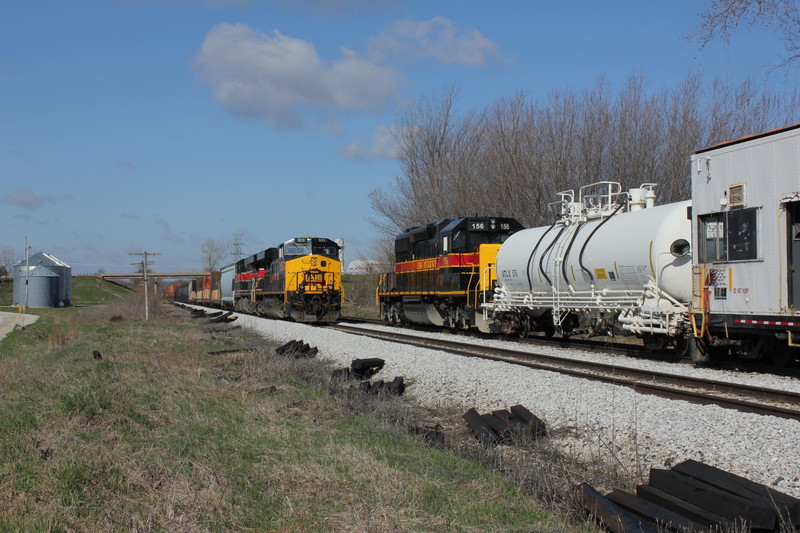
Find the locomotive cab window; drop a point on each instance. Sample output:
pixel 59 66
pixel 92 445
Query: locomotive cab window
pixel 293 249
pixel 728 236
pixel 326 250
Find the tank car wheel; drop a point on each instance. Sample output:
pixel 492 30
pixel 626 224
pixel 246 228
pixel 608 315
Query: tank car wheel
pixel 524 328
pixel 654 343
pixel 681 346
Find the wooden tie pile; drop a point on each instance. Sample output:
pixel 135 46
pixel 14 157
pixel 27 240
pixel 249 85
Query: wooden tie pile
pixel 693 496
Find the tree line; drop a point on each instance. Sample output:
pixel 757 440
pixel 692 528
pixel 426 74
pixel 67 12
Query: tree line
pixel 511 157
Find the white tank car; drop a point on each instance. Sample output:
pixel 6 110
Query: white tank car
pixel 612 256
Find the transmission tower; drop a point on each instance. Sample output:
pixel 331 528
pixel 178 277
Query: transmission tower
pixel 236 246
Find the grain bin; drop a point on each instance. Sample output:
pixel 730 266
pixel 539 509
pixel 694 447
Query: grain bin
pixel 49 281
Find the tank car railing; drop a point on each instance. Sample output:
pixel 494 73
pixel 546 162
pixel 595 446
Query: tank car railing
pixel 601 198
pixel 579 300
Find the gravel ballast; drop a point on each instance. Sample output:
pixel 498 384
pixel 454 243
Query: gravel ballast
pixel 591 419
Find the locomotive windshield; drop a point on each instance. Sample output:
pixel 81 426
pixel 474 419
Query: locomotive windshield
pixel 296 249
pixel 307 246
pixel 466 240
pixel 328 249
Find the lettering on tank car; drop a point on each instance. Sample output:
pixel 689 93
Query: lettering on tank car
pixel 512 273
pixel 720 293
pixel 740 290
pixel 632 274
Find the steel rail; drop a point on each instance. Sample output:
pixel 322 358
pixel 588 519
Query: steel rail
pixel 751 399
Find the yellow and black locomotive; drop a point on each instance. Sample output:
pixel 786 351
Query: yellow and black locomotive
pixel 444 272
pixel 301 279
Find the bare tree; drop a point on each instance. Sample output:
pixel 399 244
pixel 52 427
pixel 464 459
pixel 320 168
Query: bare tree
pixel 6 261
pixel 511 158
pixel 725 17
pixel 213 253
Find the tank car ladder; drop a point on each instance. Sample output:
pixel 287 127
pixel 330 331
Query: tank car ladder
pixel 560 313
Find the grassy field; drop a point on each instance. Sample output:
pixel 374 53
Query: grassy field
pixel 359 290
pixel 160 434
pixel 85 291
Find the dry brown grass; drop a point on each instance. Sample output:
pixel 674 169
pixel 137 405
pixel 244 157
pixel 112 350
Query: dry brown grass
pixel 161 436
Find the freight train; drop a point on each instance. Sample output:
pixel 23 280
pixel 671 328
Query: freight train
pixel 300 280
pixel 717 276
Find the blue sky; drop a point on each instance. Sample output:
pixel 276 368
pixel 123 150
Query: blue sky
pixel 153 125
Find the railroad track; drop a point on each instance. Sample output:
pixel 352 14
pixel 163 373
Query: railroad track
pixel 744 398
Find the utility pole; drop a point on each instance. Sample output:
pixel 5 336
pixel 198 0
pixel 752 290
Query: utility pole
pixel 144 273
pixel 27 277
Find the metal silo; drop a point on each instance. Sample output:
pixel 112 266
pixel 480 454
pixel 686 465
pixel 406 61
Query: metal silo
pixel 49 281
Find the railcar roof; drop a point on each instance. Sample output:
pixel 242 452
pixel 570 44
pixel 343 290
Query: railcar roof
pixel 750 138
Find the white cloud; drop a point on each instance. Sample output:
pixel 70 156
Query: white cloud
pixel 438 38
pixel 383 146
pixel 278 78
pixel 30 200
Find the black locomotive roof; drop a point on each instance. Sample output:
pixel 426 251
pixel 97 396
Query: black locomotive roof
pixel 448 225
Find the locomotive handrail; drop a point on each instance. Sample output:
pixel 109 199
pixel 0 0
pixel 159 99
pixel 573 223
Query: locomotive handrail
pixel 485 285
pixel 378 289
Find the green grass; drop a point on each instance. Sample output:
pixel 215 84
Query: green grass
pixel 85 291
pixel 158 435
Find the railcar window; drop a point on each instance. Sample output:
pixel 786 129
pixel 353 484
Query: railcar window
pixel 742 242
pixel 729 236
pixel 713 236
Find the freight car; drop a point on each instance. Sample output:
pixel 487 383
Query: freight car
pixel 746 274
pixel 301 279
pixel 611 261
pixel 444 272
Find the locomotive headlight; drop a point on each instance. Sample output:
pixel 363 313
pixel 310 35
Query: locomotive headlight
pixel 330 287
pixel 302 286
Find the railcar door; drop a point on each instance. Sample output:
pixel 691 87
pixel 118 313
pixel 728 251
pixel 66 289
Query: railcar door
pixel 793 220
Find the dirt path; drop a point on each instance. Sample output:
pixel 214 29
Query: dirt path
pixel 8 321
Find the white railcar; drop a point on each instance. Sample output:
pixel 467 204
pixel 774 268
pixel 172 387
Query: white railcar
pixel 613 259
pixel 746 223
